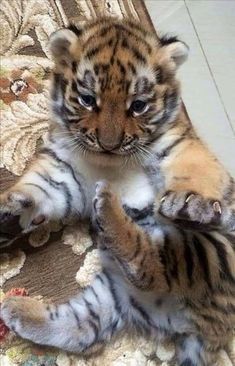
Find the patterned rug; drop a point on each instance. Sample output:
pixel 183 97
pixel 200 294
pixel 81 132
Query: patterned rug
pixel 53 263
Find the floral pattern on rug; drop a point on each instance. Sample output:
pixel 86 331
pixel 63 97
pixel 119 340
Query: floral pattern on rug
pixel 25 113
pixel 11 264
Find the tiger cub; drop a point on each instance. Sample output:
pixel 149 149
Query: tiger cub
pixel 165 222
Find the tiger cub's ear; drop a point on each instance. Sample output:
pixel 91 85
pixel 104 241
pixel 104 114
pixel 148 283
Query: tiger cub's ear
pixel 65 47
pixel 174 50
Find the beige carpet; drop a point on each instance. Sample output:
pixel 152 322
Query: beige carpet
pixel 53 263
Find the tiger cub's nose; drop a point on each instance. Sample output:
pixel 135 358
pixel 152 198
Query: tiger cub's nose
pixel 109 146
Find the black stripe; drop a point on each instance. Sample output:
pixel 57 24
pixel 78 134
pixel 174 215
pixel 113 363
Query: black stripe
pixel 138 55
pixel 121 67
pixel 167 259
pixel 100 278
pixel 92 313
pixel 163 260
pixel 188 257
pixel 37 186
pixel 95 330
pixel 74 87
pixel 56 311
pixel 73 100
pixel 58 185
pixel 94 293
pixel 113 292
pixel 225 273
pixel 143 313
pixel 165 152
pixel 113 326
pixel 137 26
pixel 173 263
pixel 187 362
pixel 58 86
pixel 53 155
pixel 97 49
pixel 74 66
pixel 202 260
pixel 137 249
pixel 171 102
pixel 168 39
pixel 74 29
pixel 211 319
pixel 132 67
pixel 137 214
pixel 159 74
pixel 129 33
pixel 74 314
pixel 140 310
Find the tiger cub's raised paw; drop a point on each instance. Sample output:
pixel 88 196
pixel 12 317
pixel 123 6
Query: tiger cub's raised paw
pixel 102 204
pixel 192 210
pixel 106 207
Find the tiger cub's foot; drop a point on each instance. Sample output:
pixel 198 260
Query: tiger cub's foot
pixel 25 316
pixel 194 211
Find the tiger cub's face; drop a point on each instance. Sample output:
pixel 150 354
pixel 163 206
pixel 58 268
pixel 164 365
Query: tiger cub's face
pixel 114 87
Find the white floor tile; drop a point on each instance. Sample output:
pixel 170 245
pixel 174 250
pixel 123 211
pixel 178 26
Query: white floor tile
pixel 215 25
pixel 200 94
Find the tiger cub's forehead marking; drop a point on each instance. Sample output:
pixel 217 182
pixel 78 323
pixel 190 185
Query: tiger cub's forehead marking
pixel 102 77
pixel 117 57
pixel 126 35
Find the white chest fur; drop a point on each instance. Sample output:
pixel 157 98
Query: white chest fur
pixel 131 184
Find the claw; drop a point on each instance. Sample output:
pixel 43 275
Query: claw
pixel 163 199
pixel 189 197
pixel 217 207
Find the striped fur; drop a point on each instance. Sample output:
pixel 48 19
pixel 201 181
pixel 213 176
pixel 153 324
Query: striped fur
pixel 165 224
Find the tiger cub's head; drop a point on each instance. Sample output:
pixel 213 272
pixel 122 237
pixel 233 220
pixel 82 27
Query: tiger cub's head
pixel 114 87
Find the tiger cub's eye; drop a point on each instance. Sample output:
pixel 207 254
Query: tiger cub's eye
pixel 138 107
pixel 87 100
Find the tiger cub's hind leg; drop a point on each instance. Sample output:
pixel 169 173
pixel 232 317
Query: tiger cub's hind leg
pixel 86 321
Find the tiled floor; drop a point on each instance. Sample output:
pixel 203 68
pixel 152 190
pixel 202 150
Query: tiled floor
pixel 208 77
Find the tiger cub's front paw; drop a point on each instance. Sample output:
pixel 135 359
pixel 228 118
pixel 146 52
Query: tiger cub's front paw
pixel 191 209
pixel 20 206
pixel 106 208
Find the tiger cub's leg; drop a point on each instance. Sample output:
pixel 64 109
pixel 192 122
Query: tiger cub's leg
pixel 198 191
pixel 128 243
pixel 48 190
pixel 82 324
